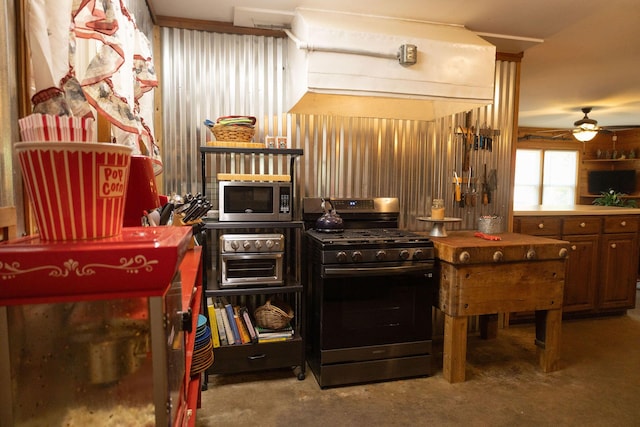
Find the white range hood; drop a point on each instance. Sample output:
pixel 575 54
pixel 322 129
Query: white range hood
pixel 348 65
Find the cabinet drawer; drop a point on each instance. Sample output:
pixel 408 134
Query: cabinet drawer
pixel 581 225
pixel 540 226
pixel 621 224
pixel 256 357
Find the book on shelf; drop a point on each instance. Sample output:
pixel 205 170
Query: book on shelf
pixel 232 321
pixel 221 328
pixel 268 335
pixel 213 322
pixel 276 339
pixel 244 311
pixel 242 328
pixel 227 325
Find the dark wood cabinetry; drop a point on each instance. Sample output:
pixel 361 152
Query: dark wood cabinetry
pixel 603 259
pixel 581 275
pixel 582 233
pixel 618 263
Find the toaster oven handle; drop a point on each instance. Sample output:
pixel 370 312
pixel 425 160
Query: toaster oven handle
pixel 399 270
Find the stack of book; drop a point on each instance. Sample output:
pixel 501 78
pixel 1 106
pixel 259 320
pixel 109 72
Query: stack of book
pixel 232 325
pixel 274 335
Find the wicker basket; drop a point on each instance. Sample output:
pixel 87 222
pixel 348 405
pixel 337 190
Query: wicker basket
pixel 233 133
pixel 273 314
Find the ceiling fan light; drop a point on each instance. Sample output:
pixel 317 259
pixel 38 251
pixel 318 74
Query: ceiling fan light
pixel 584 135
pixel 589 126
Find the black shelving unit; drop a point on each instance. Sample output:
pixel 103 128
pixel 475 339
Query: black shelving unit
pixel 257 356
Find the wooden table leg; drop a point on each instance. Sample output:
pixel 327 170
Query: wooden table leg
pixel 455 348
pixel 488 326
pixel 548 331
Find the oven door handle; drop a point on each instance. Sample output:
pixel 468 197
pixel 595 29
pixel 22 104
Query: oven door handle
pixel 377 271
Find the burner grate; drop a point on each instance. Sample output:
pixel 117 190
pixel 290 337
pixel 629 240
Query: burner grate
pixel 369 236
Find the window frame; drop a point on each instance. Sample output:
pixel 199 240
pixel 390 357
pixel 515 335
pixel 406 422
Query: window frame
pixel 544 146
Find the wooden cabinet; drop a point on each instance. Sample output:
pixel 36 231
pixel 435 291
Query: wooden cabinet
pixel 547 226
pixel 618 263
pixel 581 276
pixel 602 264
pixel 582 233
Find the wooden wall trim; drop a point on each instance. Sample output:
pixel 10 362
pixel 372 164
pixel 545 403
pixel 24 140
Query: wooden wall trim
pixel 25 108
pixel 158 122
pixel 510 57
pixel 214 27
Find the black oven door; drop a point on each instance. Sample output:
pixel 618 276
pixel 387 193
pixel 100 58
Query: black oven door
pixel 375 306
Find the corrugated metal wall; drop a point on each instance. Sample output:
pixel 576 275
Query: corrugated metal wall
pixel 207 75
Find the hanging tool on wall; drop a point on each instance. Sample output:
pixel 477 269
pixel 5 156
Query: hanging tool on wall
pixel 468 146
pixel 492 182
pixel 486 194
pixel 470 192
pixel 458 190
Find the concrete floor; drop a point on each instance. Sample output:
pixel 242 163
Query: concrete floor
pixel 598 385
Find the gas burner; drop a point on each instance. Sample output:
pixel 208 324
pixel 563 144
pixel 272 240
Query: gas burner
pixel 368 236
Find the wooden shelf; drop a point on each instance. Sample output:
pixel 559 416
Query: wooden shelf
pixel 240 150
pixel 595 196
pixel 608 160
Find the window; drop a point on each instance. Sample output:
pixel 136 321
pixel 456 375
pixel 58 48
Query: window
pixel 546 177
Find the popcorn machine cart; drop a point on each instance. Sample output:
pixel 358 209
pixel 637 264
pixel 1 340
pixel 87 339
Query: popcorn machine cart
pixel 99 332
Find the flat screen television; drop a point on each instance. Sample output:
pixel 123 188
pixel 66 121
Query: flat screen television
pixel 621 181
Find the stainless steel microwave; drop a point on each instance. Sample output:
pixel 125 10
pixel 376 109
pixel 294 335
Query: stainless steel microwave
pixel 254 201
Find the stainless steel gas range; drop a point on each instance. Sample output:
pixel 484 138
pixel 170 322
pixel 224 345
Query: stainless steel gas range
pixel 371 289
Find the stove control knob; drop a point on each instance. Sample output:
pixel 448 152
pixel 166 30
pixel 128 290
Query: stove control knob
pixel 419 254
pixel 381 255
pixel 498 256
pixel 404 254
pixel 341 256
pixel 257 244
pixel 356 256
pixel 246 245
pixel 234 245
pixel 269 244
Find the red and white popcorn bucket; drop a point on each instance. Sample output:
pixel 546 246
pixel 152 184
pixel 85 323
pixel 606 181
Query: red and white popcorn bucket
pixel 77 189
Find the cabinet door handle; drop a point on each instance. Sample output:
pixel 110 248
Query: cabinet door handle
pixel 613 246
pixel 541 226
pixel 257 356
pixel 583 225
pixel 574 247
pixel 623 223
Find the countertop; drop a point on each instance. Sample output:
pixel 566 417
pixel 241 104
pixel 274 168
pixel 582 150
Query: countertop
pixel 463 247
pixel 540 210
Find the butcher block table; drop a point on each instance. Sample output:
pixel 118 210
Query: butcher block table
pixel 485 277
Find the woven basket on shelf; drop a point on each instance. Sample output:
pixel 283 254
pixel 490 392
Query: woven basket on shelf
pixel 273 315
pixel 233 133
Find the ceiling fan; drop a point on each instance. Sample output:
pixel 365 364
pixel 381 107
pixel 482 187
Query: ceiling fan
pixel 586 128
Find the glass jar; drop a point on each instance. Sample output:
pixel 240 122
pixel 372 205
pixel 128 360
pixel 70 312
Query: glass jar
pixel 437 209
